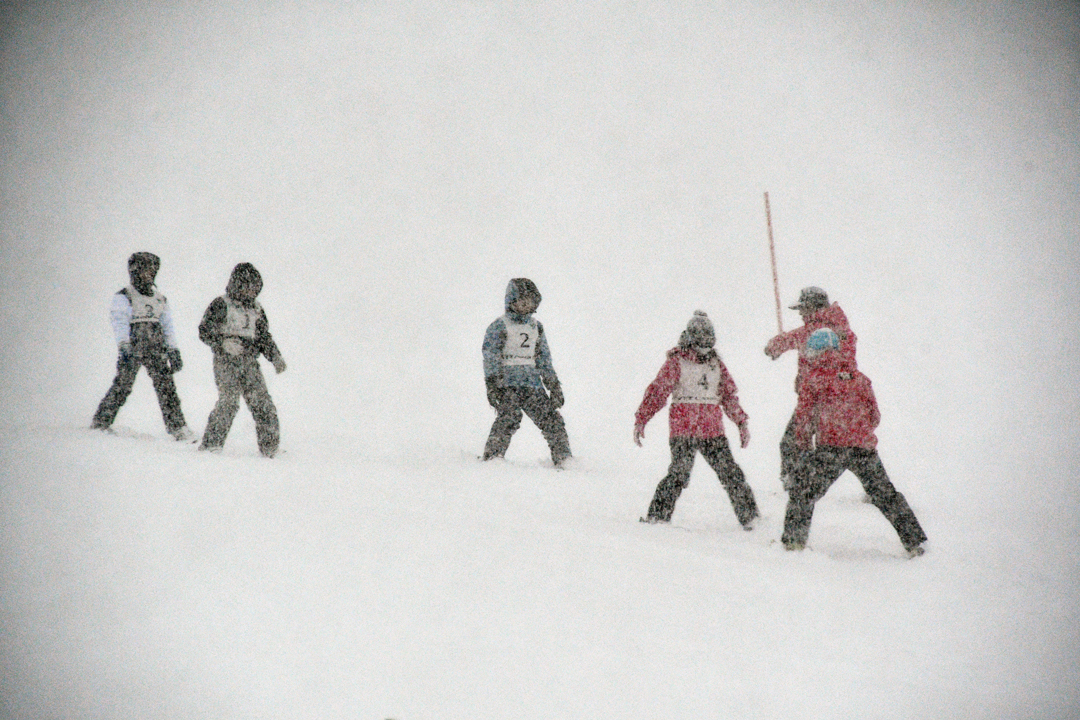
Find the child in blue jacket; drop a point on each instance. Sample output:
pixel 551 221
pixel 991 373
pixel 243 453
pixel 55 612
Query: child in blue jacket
pixel 517 369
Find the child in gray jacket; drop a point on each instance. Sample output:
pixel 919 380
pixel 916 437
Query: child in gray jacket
pixel 236 329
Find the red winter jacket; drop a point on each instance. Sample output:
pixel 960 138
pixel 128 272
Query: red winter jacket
pixel 831 317
pixel 836 405
pixel 692 419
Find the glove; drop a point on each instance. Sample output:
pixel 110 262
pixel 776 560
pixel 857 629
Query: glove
pixel 176 364
pixel 556 393
pixel 744 435
pixel 125 351
pixel 639 433
pixel 279 364
pixel 494 392
pixel 772 349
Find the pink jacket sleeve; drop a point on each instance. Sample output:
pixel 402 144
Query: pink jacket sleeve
pixel 659 390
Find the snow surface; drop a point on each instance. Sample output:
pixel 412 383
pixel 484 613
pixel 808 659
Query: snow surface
pixel 388 167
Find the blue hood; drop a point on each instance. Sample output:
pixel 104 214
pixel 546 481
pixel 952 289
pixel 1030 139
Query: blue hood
pixel 519 287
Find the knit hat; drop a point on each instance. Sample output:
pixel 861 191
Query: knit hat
pixel 699 332
pixel 821 341
pixel 811 298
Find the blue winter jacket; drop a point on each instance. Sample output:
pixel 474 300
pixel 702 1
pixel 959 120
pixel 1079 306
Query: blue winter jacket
pixel 495 341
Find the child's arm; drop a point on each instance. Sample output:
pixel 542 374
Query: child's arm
pixel 546 368
pixel 120 318
pixel 729 401
pixel 657 393
pixel 210 327
pixel 264 342
pixel 168 327
pixel 494 341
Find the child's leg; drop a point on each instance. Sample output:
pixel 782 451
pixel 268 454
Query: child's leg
pixel 169 402
pixel 867 466
pixel 678 476
pixel 507 422
pixel 267 431
pixel 227 377
pixel 812 479
pixel 537 405
pixel 789 455
pixel 127 367
pixel 717 453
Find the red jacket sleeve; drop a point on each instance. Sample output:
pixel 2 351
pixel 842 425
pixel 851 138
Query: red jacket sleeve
pixel 729 397
pixel 659 390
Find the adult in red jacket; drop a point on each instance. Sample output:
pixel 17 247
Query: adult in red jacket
pixel 834 431
pixel 816 313
pixel 702 390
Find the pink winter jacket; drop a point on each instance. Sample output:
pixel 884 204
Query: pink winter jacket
pixel 698 420
pixel 831 317
pixel 836 405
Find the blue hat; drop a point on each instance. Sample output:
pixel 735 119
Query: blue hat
pixel 820 341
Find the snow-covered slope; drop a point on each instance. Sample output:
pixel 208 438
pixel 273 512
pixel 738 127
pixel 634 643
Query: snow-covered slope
pixel 388 167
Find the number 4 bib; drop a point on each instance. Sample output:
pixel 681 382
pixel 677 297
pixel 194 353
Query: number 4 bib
pixel 698 383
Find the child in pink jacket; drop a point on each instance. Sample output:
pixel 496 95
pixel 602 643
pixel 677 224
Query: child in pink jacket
pixel 701 391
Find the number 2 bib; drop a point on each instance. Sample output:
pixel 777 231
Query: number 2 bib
pixel 520 347
pixel 698 383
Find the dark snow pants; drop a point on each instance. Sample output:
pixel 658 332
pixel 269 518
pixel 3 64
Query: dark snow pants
pixel 238 376
pixel 535 403
pixel 789 455
pixel 816 474
pixel 127 367
pixel 718 454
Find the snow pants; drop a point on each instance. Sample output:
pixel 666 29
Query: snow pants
pixel 238 376
pixel 156 363
pixel 535 403
pixel 816 474
pixel 789 455
pixel 717 453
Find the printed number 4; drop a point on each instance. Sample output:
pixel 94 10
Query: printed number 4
pixel 704 382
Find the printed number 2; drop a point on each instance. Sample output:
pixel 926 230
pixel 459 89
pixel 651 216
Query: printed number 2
pixel 525 340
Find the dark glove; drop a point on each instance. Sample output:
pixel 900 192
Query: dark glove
pixel 556 393
pixel 125 351
pixel 494 392
pixel 175 363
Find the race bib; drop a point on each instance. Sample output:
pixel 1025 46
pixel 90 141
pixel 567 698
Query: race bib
pixel 520 347
pixel 698 383
pixel 240 320
pixel 145 308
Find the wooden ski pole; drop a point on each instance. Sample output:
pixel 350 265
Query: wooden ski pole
pixel 772 255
